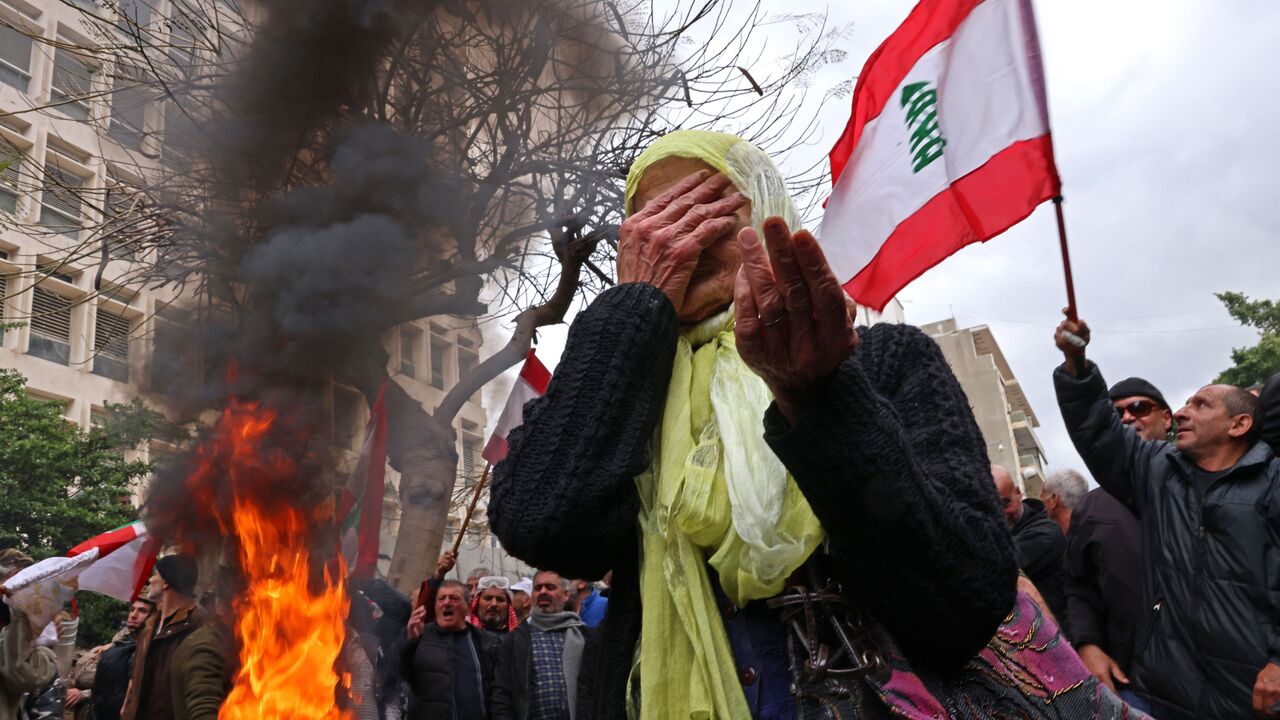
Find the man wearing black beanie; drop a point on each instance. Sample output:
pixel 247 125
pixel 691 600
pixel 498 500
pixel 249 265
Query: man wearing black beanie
pixel 1104 554
pixel 172 587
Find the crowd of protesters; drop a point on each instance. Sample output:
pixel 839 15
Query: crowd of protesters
pixel 795 528
pixel 1164 578
pixel 484 648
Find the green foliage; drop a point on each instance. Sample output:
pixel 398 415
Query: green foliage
pixel 1253 365
pixel 62 485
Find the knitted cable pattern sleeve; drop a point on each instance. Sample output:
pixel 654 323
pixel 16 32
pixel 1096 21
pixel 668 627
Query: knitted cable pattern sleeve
pixel 565 497
pixel 893 464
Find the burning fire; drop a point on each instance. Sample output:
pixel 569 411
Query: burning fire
pixel 289 620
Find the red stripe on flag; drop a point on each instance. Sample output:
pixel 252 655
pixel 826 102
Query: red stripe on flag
pixel 975 208
pixel 535 373
pixel 931 22
pixel 107 543
pixel 143 566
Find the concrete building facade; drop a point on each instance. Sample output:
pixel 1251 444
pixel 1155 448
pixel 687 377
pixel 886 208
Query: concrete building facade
pixel 1005 417
pixel 74 140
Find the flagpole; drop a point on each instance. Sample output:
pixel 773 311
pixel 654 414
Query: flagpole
pixel 1066 260
pixel 466 519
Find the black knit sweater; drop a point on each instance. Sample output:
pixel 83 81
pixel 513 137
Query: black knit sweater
pixel 889 457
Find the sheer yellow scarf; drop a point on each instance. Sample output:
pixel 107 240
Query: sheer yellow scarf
pixel 715 493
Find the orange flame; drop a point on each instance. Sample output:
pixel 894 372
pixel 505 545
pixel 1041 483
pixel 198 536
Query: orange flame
pixel 290 633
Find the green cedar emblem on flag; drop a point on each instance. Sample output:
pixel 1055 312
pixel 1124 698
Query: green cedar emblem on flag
pixel 921 103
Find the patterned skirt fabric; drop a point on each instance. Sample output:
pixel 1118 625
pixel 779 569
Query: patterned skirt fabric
pixel 1028 671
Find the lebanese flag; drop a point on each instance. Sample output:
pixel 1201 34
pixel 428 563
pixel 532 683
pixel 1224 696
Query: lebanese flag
pixel 532 383
pixel 948 144
pixel 115 563
pixel 126 556
pixel 361 504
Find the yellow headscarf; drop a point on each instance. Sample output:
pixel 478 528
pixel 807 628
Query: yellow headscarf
pixel 715 493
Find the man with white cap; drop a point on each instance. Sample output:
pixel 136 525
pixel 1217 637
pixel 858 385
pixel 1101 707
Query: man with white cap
pixel 522 598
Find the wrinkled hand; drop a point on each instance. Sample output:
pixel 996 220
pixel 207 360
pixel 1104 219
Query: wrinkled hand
pixel 660 243
pixel 793 326
pixel 446 562
pixel 74 696
pixel 1266 691
pixel 1102 666
pixel 417 621
pixel 1072 337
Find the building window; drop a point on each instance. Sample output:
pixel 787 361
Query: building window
pixel 467 458
pixel 184 28
pixel 15 58
pixel 179 132
pixel 439 351
pixel 60 201
pixel 120 207
pixel 11 160
pixel 4 303
pixel 128 107
pixel 172 365
pixel 71 81
pixel 111 346
pixel 133 13
pixel 50 326
pixel 468 358
pixel 410 341
pixel 346 418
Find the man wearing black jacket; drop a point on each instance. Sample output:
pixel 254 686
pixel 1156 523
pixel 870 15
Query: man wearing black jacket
pixel 1209 641
pixel 1039 541
pixel 448 663
pixel 1104 554
pixel 111 679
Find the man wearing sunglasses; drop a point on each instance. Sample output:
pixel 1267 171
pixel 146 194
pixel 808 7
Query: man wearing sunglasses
pixel 1209 633
pixel 1104 554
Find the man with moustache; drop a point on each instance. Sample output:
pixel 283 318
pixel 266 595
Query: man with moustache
pixel 491 607
pixel 546 666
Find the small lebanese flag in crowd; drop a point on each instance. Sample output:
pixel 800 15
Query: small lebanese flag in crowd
pixel 532 383
pixel 116 563
pixel 360 504
pixel 948 145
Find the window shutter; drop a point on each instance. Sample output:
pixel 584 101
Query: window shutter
pixel 15 58
pixel 112 336
pixel 71 80
pixel 437 361
pixel 128 107
pixel 60 193
pixel 50 315
pixel 469 460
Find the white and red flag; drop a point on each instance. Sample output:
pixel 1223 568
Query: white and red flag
pixel 532 383
pixel 948 144
pixel 115 563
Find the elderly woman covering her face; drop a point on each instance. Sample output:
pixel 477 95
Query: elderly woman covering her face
pixel 719 435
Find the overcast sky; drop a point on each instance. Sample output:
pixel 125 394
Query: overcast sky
pixel 1164 117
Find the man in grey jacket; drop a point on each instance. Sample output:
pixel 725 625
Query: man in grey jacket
pixel 1209 639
